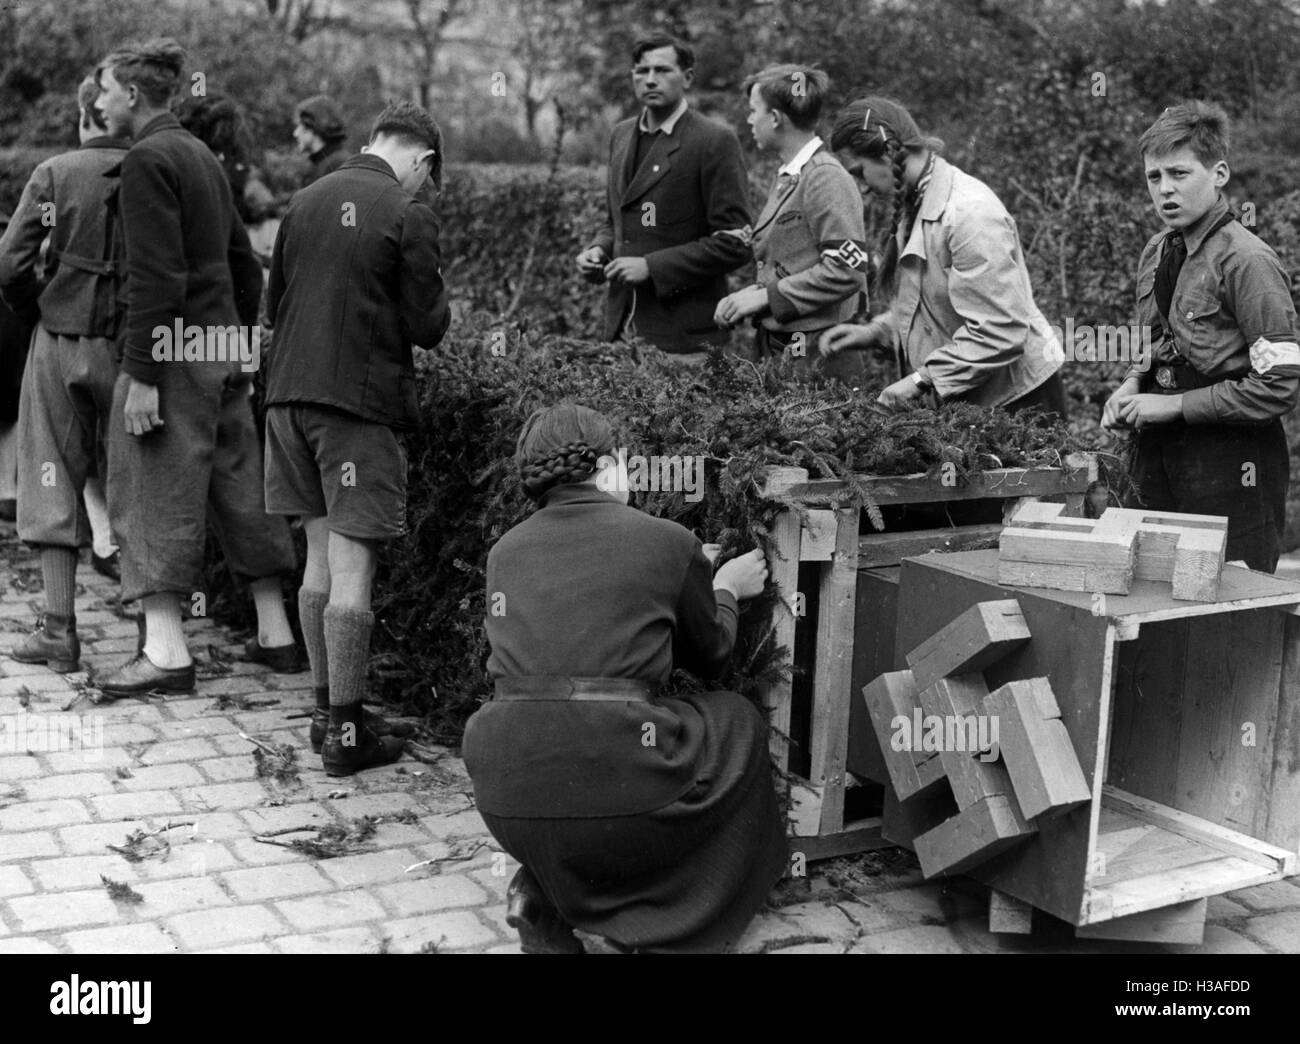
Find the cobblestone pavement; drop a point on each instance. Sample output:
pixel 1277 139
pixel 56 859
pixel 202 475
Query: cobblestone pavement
pixel 427 879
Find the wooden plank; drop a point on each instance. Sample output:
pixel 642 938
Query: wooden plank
pixel 875 621
pixel 903 821
pixel 972 836
pixel 1201 831
pixel 982 635
pixel 818 544
pixel 777 482
pixel 1278 817
pixel 887 549
pixel 1211 877
pixel 1181 923
pixel 1116 580
pixel 805 812
pixel 997 483
pixel 833 669
pixel 1228 720
pixel 892 701
pixel 973 772
pixel 1076 546
pixel 783 568
pixel 1044 771
pixel 860 836
pixel 1198 564
pixel 1009 915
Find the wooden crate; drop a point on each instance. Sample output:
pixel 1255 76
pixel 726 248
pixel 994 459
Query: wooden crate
pixel 1185 717
pixel 855 626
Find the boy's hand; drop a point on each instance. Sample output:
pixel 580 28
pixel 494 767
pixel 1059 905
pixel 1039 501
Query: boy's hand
pixel 141 409
pixel 1110 416
pixel 633 270
pixel 900 395
pixel 744 576
pixel 1138 411
pixel 740 305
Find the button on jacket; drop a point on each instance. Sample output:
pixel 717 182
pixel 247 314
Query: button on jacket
pixel 355 280
pixel 1231 318
pixel 806 241
pixel 964 310
pixel 67 198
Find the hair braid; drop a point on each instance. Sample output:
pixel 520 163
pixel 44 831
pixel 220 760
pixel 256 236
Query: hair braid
pixel 884 287
pixel 571 462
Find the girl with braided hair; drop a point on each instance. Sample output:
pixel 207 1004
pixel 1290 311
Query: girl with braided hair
pixel 651 821
pixel 961 316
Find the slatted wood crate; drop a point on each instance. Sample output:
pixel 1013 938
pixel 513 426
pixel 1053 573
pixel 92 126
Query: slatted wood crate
pixel 855 589
pixel 1184 717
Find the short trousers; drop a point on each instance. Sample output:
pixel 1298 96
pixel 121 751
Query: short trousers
pixel 323 462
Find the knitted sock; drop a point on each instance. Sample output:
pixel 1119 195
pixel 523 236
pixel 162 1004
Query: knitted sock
pixel 273 630
pixel 101 533
pixel 347 637
pixel 164 641
pixel 59 570
pixel 311 610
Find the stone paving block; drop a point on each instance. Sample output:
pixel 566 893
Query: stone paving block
pixel 507 948
pixel 430 894
pixel 182 708
pixel 255 884
pixel 42 815
pixel 236 685
pixel 76 784
pixel 328 911
pixel 120 733
pixel 360 939
pixel 27 945
pixel 188 728
pixel 160 777
pixel 28 846
pixel 1222 908
pixel 1276 895
pixel 224 797
pixel 137 805
pixel 13 881
pixel 124 938
pixel 91 838
pixel 307 814
pixel 104 760
pixel 46 681
pixel 816 918
pixel 206 929
pixel 1219 939
pixel 218 826
pixel 116 628
pixel 934 899
pixel 44 913
pixel 192 859
pixel 18 766
pixel 180 895
pixel 80 871
pixel 388 834
pixel 466 823
pixel 228 769
pixel 123 644
pixel 13 669
pixel 810 948
pixel 450 932
pixel 355 805
pixel 178 750
pixel 369 868
pixel 1278 930
pixel 258 947
pixel 257 853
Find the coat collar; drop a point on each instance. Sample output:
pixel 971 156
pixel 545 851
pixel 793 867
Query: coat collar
pixel 163 121
pixel 369 162
pixel 105 142
pixel 1195 234
pixel 933 204
pixel 669 125
pixel 801 158
pixel 657 161
pixel 576 493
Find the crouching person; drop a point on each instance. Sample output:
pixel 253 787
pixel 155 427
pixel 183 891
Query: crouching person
pixel 650 821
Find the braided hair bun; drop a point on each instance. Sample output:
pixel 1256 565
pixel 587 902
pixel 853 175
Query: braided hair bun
pixel 561 444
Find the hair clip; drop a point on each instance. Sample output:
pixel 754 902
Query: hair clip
pixel 866 121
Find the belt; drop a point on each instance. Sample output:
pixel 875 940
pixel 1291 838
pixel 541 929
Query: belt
pixel 87 264
pixel 1173 378
pixel 558 687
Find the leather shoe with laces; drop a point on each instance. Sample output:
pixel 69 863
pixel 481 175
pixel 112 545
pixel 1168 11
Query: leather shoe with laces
pixel 539 924
pixel 140 675
pixel 350 746
pixel 283 659
pixel 54 643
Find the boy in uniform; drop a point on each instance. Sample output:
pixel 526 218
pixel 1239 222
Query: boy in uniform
pixel 1226 365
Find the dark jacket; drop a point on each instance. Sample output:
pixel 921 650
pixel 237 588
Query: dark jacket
pixel 187 253
pixel 67 199
pixel 689 193
pixel 327 161
pixel 355 280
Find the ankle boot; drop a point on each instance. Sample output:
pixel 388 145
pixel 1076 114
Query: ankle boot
pixel 54 642
pixel 320 721
pixel 540 925
pixel 351 746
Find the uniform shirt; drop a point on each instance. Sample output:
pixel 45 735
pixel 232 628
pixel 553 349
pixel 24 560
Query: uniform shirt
pixel 1231 318
pixel 809 243
pixel 68 199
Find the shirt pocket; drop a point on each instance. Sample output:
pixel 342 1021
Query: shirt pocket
pixel 1200 316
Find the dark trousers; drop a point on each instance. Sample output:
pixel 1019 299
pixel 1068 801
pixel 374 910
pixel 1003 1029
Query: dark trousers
pixel 1236 470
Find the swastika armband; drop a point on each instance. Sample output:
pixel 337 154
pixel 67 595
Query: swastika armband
pixel 1265 354
pixel 849 254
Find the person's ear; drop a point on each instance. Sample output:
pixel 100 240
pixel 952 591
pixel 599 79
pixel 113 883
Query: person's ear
pixel 688 77
pixel 427 154
pixel 132 95
pixel 1221 173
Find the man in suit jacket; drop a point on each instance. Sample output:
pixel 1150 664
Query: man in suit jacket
pixel 677 208
pixel 182 437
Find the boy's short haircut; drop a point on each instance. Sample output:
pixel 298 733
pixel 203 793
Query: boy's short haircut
pixel 1201 126
pixel 799 91
pixel 685 56
pixel 86 95
pixel 413 127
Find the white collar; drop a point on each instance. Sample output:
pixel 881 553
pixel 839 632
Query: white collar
pixel 801 157
pixel 669 124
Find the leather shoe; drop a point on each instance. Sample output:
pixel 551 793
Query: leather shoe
pixel 140 675
pixel 54 643
pixel 539 924
pixel 350 746
pixel 379 725
pixel 109 566
pixel 283 659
